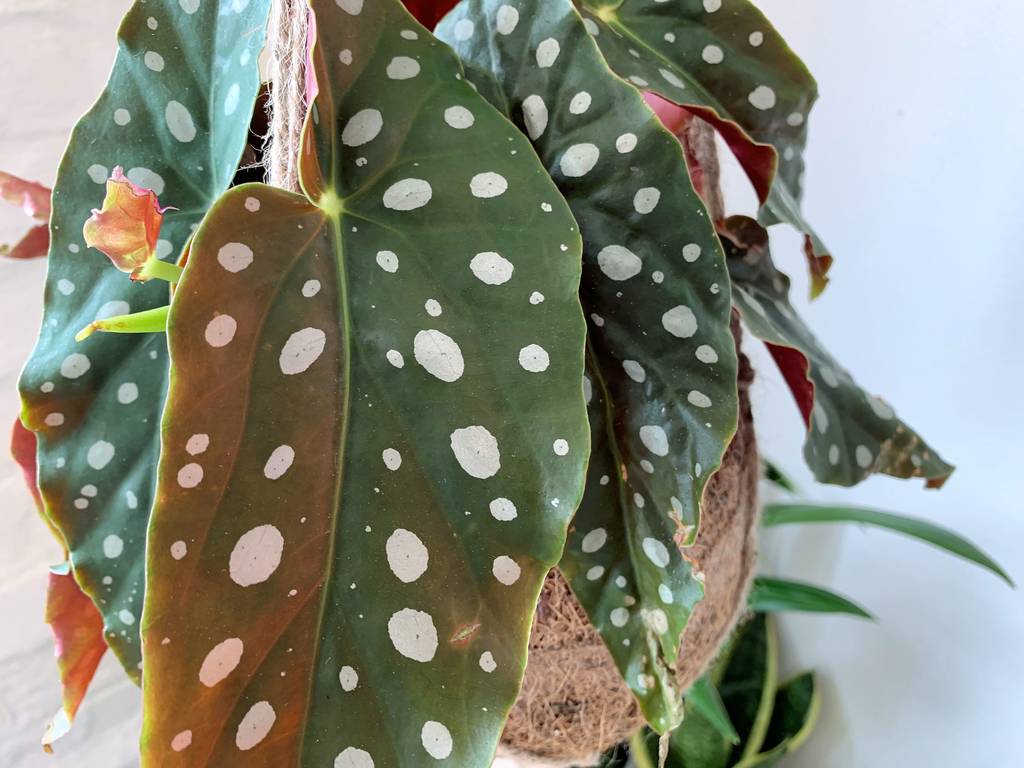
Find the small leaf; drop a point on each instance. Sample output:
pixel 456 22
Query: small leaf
pixel 774 475
pixel 850 435
pixel 78 645
pixel 943 538
pixel 127 227
pixel 770 595
pixel 797 705
pixel 730 67
pixel 34 199
pixel 661 359
pixel 175 113
pixel 373 440
pixel 706 701
pixel 76 624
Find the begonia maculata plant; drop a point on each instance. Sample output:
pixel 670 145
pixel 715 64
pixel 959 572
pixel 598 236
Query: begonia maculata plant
pixel 312 459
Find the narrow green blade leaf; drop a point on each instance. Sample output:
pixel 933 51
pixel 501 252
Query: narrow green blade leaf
pixel 748 683
pixel 354 530
pixel 850 435
pixel 662 363
pixel 774 475
pixel 770 595
pixel 727 64
pixel 797 705
pixel 943 538
pixel 174 114
pixel 706 701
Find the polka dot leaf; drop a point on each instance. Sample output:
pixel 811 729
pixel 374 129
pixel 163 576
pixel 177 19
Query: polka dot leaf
pixel 723 61
pixel 95 405
pixel 374 440
pixel 850 434
pixel 662 362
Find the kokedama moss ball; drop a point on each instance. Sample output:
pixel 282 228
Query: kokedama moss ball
pixel 574 703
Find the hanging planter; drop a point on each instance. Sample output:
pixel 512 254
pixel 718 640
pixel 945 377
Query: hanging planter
pixel 439 444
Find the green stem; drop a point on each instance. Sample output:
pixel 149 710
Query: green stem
pixel 154 269
pixel 150 321
pixel 638 750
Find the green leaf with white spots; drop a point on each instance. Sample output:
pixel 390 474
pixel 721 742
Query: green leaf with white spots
pixel 662 368
pixel 375 433
pixel 174 114
pixel 723 60
pixel 850 435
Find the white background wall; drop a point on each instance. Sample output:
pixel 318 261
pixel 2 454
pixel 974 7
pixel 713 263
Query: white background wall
pixel 915 160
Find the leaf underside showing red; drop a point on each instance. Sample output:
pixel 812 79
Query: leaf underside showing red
pixel 76 624
pixel 34 199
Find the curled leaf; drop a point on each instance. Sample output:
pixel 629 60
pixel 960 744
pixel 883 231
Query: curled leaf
pixel 78 645
pixel 126 228
pixel 34 199
pixel 850 435
pixel 76 624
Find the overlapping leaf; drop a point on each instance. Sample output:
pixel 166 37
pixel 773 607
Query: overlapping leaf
pixel 723 61
pixel 850 435
pixel 375 432
pixel 662 362
pixel 174 114
pixel 34 199
pixel 76 624
pixel 771 723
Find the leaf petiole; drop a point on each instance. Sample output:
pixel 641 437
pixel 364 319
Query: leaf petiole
pixel 150 321
pixel 155 269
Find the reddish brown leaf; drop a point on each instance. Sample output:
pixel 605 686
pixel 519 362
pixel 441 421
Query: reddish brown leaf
pixel 34 200
pixel 78 645
pixel 795 370
pixel 32 196
pixel 76 624
pixel 36 242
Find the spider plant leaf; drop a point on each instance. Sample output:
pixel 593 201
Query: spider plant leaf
pixel 175 113
pixel 922 530
pixel 770 595
pixel 375 433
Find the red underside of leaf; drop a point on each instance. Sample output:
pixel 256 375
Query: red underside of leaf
pixel 32 196
pixel 759 161
pixel 429 12
pixel 35 243
pixel 76 624
pixel 78 645
pixel 795 367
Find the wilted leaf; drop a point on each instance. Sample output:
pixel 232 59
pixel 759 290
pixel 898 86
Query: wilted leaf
pixel 724 62
pixel 375 432
pixel 662 361
pixel 76 624
pixel 922 530
pixel 773 595
pixel 78 645
pixel 174 113
pixel 34 199
pixel 850 435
